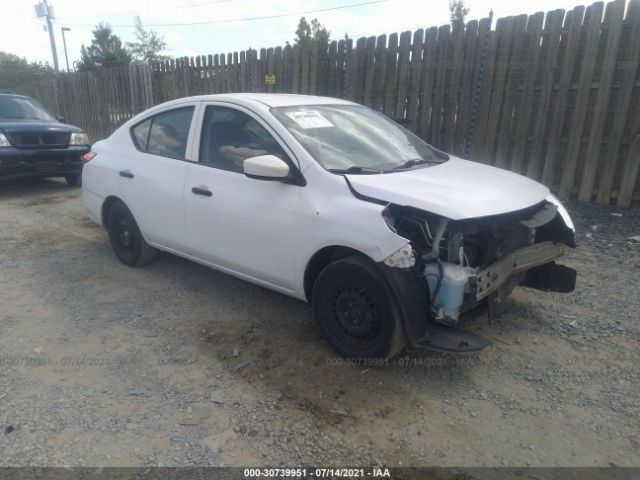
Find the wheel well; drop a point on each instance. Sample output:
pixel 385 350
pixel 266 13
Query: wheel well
pixel 321 259
pixel 106 206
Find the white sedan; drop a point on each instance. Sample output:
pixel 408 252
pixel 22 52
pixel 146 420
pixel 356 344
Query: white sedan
pixel 325 200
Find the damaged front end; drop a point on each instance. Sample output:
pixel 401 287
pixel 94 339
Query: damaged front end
pixel 465 265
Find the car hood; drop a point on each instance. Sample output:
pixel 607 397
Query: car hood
pixel 456 189
pixel 35 126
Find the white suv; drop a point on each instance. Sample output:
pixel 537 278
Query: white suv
pixel 389 239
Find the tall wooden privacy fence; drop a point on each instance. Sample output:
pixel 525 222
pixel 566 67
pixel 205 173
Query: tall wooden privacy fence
pixel 555 96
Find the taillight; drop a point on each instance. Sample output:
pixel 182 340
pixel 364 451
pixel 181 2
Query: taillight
pixel 87 157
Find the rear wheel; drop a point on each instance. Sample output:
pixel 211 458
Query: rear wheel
pixel 356 311
pixel 126 240
pixel 74 179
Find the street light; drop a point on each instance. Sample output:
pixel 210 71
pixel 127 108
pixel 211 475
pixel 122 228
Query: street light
pixel 64 43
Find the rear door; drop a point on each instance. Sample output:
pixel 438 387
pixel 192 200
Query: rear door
pixel 240 224
pixel 153 176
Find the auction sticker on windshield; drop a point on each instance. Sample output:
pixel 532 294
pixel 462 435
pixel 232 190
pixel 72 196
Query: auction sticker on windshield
pixel 309 119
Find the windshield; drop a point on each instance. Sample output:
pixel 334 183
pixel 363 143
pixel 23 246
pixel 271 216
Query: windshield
pixel 23 108
pixel 355 139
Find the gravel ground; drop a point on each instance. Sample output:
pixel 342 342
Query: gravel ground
pixel 176 364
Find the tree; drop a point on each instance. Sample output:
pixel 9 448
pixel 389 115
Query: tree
pixel 307 32
pixel 16 71
pixel 149 45
pixel 458 11
pixel 105 51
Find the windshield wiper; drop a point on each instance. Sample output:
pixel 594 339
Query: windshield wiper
pixel 413 162
pixel 355 169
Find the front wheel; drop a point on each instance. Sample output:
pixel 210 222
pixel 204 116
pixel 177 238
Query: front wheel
pixel 126 240
pixel 356 311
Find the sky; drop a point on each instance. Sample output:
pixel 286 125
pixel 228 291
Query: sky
pixel 231 24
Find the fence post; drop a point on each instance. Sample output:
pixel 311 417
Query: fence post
pixel 251 81
pixel 148 77
pixel 55 93
pixel 339 86
pixel 477 90
pixel 630 174
pixel 348 57
pixel 184 64
pixel 132 88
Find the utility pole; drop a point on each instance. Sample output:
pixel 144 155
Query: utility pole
pixel 44 10
pixel 64 43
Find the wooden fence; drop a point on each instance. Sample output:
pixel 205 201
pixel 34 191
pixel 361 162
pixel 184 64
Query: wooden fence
pixel 554 96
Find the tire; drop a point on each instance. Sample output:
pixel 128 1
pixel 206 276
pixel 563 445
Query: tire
pixel 126 240
pixel 356 311
pixel 74 179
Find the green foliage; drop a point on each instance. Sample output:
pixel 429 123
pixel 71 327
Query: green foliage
pixel 16 71
pixel 308 32
pixel 105 51
pixel 458 10
pixel 148 46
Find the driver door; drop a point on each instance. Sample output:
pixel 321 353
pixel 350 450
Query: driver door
pixel 236 223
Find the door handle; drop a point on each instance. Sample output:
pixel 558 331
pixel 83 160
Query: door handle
pixel 202 191
pixel 126 173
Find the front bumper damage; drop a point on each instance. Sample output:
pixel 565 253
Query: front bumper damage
pixel 421 330
pixel 491 279
pixel 441 283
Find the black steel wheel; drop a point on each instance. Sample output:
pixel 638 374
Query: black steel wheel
pixel 356 311
pixel 126 240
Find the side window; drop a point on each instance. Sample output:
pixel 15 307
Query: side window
pixel 140 134
pixel 229 137
pixel 164 134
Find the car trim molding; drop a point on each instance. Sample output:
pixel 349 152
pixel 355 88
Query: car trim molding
pixel 362 197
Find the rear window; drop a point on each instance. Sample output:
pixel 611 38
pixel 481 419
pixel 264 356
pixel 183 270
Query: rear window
pixel 164 134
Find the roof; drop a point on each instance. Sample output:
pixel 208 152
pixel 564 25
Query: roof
pixel 268 99
pixel 256 100
pixel 287 100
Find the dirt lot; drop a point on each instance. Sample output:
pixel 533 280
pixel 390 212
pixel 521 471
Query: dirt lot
pixel 176 364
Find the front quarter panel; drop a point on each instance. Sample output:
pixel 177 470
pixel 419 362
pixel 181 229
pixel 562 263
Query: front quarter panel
pixel 330 215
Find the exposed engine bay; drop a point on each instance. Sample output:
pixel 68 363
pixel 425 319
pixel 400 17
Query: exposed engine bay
pixel 472 262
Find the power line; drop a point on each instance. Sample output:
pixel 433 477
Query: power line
pixel 246 19
pixel 137 12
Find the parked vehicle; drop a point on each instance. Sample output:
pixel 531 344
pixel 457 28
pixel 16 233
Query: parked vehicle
pixel 34 142
pixel 389 239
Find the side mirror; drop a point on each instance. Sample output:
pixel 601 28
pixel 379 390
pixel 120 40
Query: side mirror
pixel 60 119
pixel 266 167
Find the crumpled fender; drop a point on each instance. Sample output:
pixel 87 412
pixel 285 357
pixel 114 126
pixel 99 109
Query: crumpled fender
pixel 411 293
